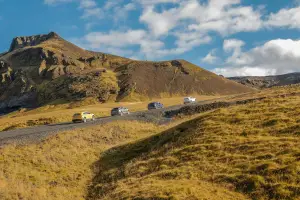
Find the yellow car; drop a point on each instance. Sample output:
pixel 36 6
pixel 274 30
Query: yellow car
pixel 83 117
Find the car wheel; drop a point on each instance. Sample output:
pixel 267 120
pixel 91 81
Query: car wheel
pixel 84 120
pixel 121 114
pixel 93 118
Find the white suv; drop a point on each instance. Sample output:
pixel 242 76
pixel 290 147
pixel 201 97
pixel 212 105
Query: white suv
pixel 187 100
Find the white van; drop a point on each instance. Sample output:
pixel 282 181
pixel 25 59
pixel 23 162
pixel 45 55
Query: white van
pixel 187 100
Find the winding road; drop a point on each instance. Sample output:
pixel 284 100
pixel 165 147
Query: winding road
pixel 38 133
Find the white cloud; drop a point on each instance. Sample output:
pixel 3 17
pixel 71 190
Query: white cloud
pixel 233 45
pixel 92 12
pixel 210 58
pixel 87 4
pixel 243 71
pixel 149 47
pixel 191 22
pixel 159 23
pixel 285 18
pixel 130 6
pixel 120 42
pixel 115 38
pixel 278 56
pixel 224 17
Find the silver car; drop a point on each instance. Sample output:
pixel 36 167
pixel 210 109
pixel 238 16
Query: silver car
pixel 120 111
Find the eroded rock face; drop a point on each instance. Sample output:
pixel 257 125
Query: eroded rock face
pixel 16 90
pixel 20 42
pixel 6 74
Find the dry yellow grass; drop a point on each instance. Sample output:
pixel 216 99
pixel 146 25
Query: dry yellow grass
pixel 64 112
pixel 242 152
pixel 249 151
pixel 62 167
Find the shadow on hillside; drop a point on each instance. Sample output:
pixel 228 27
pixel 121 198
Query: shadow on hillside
pixel 116 158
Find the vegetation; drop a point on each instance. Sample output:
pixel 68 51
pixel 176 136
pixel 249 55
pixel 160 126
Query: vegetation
pixel 62 166
pixel 249 149
pixel 242 152
pixel 102 86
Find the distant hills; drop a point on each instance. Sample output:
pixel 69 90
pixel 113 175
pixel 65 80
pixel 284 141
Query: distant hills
pixel 45 69
pixel 260 82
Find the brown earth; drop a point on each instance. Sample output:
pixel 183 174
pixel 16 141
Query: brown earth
pixel 45 69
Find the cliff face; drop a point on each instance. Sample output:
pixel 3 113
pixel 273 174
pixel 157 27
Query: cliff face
pixel 26 41
pixel 44 68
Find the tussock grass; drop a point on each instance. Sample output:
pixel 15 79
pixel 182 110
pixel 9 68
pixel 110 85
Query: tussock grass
pixel 61 167
pixel 246 151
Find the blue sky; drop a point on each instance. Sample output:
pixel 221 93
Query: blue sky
pixel 229 37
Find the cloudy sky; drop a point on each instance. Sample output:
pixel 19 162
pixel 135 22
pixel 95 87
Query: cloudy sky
pixel 228 37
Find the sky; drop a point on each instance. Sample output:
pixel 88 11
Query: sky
pixel 227 37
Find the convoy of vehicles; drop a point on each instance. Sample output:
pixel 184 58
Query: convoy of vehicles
pixel 121 111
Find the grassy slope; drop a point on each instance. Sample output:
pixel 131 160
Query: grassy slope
pixel 62 167
pixel 251 149
pixel 242 152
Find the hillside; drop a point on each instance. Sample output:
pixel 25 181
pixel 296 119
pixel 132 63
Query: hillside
pixel 260 82
pixel 246 151
pixel 45 69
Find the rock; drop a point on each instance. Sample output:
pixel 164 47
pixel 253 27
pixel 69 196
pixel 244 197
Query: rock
pixel 20 42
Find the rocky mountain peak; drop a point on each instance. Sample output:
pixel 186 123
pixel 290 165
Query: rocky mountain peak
pixel 24 41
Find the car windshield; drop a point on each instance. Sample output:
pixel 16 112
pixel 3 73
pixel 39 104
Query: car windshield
pixel 77 114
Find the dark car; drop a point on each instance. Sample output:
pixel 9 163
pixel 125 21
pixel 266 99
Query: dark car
pixel 119 111
pixel 155 105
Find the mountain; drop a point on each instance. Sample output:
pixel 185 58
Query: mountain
pixel 260 82
pixel 45 69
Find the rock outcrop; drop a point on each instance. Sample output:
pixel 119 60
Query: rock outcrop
pixel 20 42
pixel 261 82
